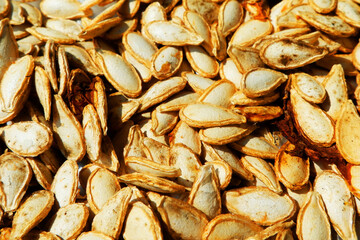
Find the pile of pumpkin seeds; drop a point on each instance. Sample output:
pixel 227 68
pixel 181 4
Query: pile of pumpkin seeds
pixel 190 119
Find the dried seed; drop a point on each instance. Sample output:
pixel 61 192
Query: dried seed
pixel 166 61
pixel 46 34
pixel 118 31
pixel 93 235
pixel 15 176
pixel 31 212
pixel 27 138
pixel 141 68
pixel 312 214
pixel 338 201
pixel 346 134
pixel 101 186
pixel 68 132
pixel 4 7
pixel 208 115
pixel 219 93
pixel 323 6
pixel 306 115
pixel 65 26
pixel 223 172
pixel 259 204
pixel 92 132
pixel 186 135
pixel 256 146
pixel 308 87
pixel 225 134
pixel 139 47
pixel 245 58
pixel 14 83
pixel 205 192
pixel 231 15
pixel 261 81
pixel 332 25
pixel 259 113
pixel 178 101
pixel 144 165
pixel 250 31
pixel 69 221
pixel 198 83
pixel 42 173
pixel 65 184
pixel 170 33
pixel 68 9
pixel 181 219
pixel 151 183
pixel 286 53
pixel 285 165
pixel 43 90
pixel 153 12
pixel 230 226
pixel 93 30
pixel 33 14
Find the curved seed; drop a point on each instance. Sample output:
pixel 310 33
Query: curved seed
pixel 201 62
pixel 69 221
pixel 245 58
pixel 219 93
pixel 261 81
pixel 231 15
pixel 151 183
pixel 170 33
pixel 142 69
pixel 312 214
pixel 15 176
pixel 229 71
pixel 143 165
pixel 292 171
pixel 42 173
pixel 256 147
pixel 178 101
pixel 68 132
pixel 260 205
pixel 92 132
pixel 205 192
pixel 33 14
pixel 250 31
pixel 198 83
pixel 313 123
pixel 230 226
pixel 166 61
pixel 119 73
pixel 322 6
pixel 223 172
pixel 186 135
pixel 101 186
pixel 31 212
pixel 289 53
pixel 68 9
pixel 46 34
pixel 308 87
pixel 347 136
pixel 239 98
pixel 339 203
pixel 208 115
pixel 27 138
pixel 93 235
pixel 349 11
pixel 153 12
pixel 43 90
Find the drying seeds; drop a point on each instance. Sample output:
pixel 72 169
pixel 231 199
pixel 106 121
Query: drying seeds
pixel 179 119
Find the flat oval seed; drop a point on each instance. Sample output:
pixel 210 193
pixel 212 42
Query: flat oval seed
pixel 230 226
pixel 261 81
pixel 290 53
pixel 223 172
pixel 347 136
pixel 219 93
pixel 67 27
pixel 339 203
pixel 42 173
pixel 308 87
pixel 260 205
pixel 140 47
pixel 4 7
pixel 120 73
pixel 349 12
pixel 336 89
pixel 15 176
pixel 65 183
pixel 239 98
pixel 166 61
pixel 312 122
pixel 332 25
pixel 231 15
pixel 142 69
pixel 163 122
pixel 263 171
pixel 225 134
pixel 111 216
pixel 256 146
pixel 14 83
pixel 250 31
pixel 208 115
pixel 27 138
pixel 31 212
pixel 245 58
pixel 69 221
pixel 43 90
pixel 292 171
pixel 198 83
pixel 68 132
pixel 8 46
pixel 46 34
pixel 154 11
pixel 101 186
pixel 170 33
pixel 186 135
pixel 201 62
pixel 229 71
pixel 179 101
pixel 160 91
pixel 181 219
pixel 312 214
pixel 323 6
pixel 61 9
